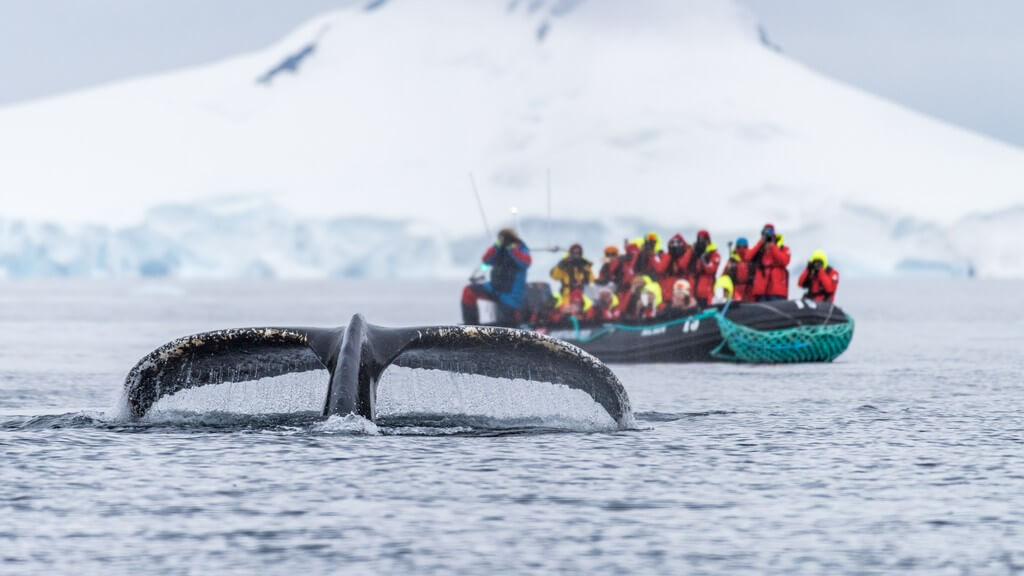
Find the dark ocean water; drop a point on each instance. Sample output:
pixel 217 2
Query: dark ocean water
pixel 906 455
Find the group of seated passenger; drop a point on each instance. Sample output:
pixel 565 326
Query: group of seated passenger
pixel 643 281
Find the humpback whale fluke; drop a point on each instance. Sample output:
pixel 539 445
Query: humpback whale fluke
pixel 355 357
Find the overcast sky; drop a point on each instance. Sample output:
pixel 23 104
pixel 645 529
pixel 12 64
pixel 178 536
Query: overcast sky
pixel 959 60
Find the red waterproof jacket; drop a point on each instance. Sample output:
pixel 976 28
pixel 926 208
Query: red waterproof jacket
pixel 821 285
pixel 670 269
pixel 771 278
pixel 608 312
pixel 643 263
pixel 742 274
pixel 706 268
pixel 616 270
pixel 629 305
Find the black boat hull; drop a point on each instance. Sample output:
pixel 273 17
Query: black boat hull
pixel 794 328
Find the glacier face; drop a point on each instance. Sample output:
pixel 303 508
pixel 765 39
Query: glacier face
pixel 254 237
pixel 350 159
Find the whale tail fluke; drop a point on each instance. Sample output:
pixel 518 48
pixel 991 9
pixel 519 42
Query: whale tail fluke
pixel 223 356
pixel 357 355
pixel 368 350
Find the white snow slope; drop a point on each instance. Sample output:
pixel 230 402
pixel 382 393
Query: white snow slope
pixel 353 158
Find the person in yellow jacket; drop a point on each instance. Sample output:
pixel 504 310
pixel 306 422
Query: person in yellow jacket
pixel 579 306
pixel 724 290
pixel 607 306
pixel 644 299
pixel 574 272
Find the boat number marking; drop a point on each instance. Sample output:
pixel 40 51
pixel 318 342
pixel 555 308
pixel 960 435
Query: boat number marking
pixel 653 331
pixel 691 325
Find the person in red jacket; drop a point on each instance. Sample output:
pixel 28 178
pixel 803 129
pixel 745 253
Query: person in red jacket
pixel 643 299
pixel 607 306
pixel 705 268
pixel 741 272
pixel 820 279
pixel 579 307
pixel 696 251
pixel 674 264
pixel 770 257
pixel 615 270
pixel 631 251
pixel 648 255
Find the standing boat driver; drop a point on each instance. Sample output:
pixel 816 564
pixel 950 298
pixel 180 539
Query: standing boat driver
pixel 770 257
pixel 509 258
pixel 573 271
pixel 820 279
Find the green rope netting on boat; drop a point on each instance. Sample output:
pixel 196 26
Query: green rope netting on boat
pixel 819 343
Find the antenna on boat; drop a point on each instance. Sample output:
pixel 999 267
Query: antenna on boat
pixel 551 247
pixel 480 205
pixel 480 272
pixel 547 184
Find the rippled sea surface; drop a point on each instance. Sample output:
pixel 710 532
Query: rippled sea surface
pixel 905 455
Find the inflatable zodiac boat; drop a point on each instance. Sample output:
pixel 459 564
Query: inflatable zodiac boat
pixel 751 332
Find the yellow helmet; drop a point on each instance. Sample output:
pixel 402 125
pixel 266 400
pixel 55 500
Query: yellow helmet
pixel 819 255
pixel 724 284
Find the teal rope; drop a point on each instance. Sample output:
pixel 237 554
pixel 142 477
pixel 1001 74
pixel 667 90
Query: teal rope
pixel 609 328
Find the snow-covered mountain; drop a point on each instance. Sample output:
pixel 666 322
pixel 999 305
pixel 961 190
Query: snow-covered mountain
pixel 344 150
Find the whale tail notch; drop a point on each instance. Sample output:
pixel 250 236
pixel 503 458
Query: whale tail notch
pixel 357 355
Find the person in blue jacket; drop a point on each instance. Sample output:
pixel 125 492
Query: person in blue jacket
pixel 509 258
